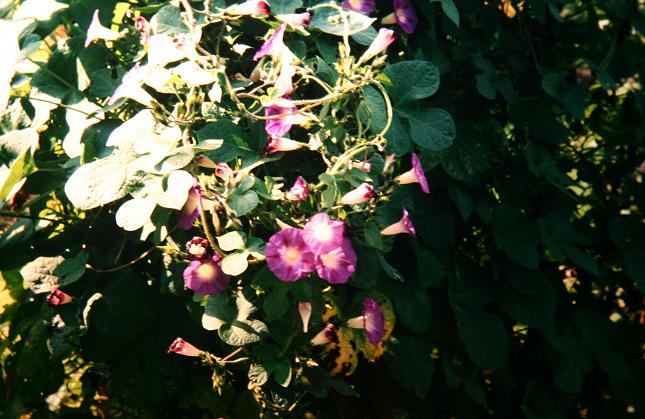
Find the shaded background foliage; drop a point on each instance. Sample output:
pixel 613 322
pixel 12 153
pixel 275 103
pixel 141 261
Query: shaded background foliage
pixel 522 298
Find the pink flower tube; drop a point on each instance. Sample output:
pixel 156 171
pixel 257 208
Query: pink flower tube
pixel 277 144
pixel 383 40
pixel 181 347
pixel 58 298
pixel 325 336
pixel 283 116
pixel 363 193
pixel 403 226
pixel 415 175
pixel 295 20
pixel 372 321
pixel 304 309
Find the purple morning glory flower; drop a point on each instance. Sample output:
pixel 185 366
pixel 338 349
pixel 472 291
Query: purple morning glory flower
pixel 274 45
pixel 288 256
pixel 405 15
pixel 299 191
pixel 372 321
pixel 322 234
pixel 181 347
pixel 205 276
pixel 192 209
pixel 363 6
pixel 415 175
pixel 337 265
pixel 285 115
pixel 402 226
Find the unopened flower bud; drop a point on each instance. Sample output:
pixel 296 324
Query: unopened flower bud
pixel 57 298
pixel 197 248
pixel 181 347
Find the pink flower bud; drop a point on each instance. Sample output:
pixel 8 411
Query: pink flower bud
pixel 277 144
pixel 57 298
pixel 389 161
pixel 363 193
pixel 402 226
pixel 328 334
pixel 143 26
pixel 223 171
pixel 304 308
pixel 181 347
pixel 299 191
pixel 197 248
pixel 383 40
pixel 251 7
pixel 295 20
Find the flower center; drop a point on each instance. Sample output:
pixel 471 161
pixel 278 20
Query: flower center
pixel 292 255
pixel 330 260
pixel 323 233
pixel 206 272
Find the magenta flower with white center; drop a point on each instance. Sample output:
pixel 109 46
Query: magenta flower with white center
pixel 363 193
pixel 415 175
pixel 205 276
pixel 283 116
pixel 295 20
pixel 299 191
pixel 57 298
pixel 322 234
pixel 304 309
pixel 197 248
pixel 192 209
pixel 144 27
pixel 274 45
pixel 337 265
pixel 405 15
pixel 363 6
pixel 277 144
pixel 288 256
pixel 383 40
pixel 181 347
pixel 403 226
pixel 372 321
pixel 325 336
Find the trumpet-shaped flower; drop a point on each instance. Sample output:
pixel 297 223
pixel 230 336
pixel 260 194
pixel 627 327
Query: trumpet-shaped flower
pixel 283 116
pixel 405 15
pixel 197 248
pixel 415 175
pixel 372 321
pixel 192 209
pixel 304 309
pixel 181 347
pixel 383 40
pixel 325 336
pixel 363 193
pixel 363 6
pixel 130 87
pixel 288 256
pixel 277 144
pixel 252 7
pixel 404 225
pixel 322 234
pixel 205 276
pixel 295 20
pixel 299 191
pixel 274 45
pixel 57 298
pixel 97 31
pixel 337 265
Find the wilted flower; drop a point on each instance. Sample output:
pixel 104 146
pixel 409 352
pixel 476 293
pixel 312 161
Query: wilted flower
pixel 328 334
pixel 57 297
pixel 402 226
pixel 274 45
pixel 372 321
pixel 337 265
pixel 205 276
pixel 383 40
pixel 277 144
pixel 97 31
pixel 283 116
pixel 192 209
pixel 299 191
pixel 415 175
pixel 363 193
pixel 295 20
pixel 304 309
pixel 288 256
pixel 405 15
pixel 143 26
pixel 322 234
pixel 252 7
pixel 363 6
pixel 197 248
pixel 181 347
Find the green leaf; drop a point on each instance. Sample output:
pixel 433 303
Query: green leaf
pixel 410 363
pixel 133 214
pixel 377 117
pixel 168 21
pixel 235 264
pixel 516 235
pixel 100 182
pixel 330 20
pixel 570 95
pixel 279 7
pixel 218 311
pixel 39 274
pixel 233 240
pixel 258 375
pixel 411 80
pixel 450 10
pixel 242 332
pixel 22 167
pixel 71 270
pixel 243 203
pixel 276 303
pixel 432 128
pixel 412 305
pixel 537 310
pixel 366 36
pixel 484 337
pixel 373 237
pixel 282 373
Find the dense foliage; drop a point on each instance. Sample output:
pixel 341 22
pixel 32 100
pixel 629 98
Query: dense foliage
pixel 165 163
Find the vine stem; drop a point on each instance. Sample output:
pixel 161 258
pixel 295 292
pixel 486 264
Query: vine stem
pixel 71 108
pixel 388 108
